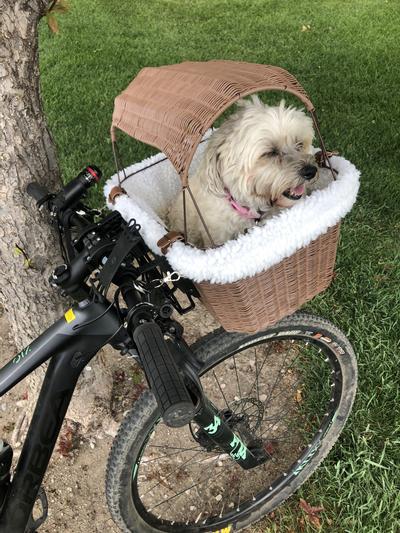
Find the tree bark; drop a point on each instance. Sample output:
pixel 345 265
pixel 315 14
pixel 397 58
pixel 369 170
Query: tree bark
pixel 27 153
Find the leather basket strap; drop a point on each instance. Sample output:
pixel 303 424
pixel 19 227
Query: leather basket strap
pixel 115 192
pixel 169 238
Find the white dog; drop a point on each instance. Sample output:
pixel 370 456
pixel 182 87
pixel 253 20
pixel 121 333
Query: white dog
pixel 257 162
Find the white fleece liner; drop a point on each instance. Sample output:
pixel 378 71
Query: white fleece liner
pixel 153 189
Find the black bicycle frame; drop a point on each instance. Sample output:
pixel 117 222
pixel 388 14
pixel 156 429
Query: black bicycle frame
pixel 70 343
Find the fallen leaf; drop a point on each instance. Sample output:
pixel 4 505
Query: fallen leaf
pixel 65 443
pixel 314 520
pixel 311 513
pixel 299 396
pixel 271 447
pixel 60 6
pixel 306 27
pixel 137 390
pixel 27 263
pixel 309 509
pixel 52 23
pixel 119 376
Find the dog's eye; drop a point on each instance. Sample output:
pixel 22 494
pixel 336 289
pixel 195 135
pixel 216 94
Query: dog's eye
pixel 299 146
pixel 272 153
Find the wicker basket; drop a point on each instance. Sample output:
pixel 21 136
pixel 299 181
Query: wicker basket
pixel 171 108
pixel 252 304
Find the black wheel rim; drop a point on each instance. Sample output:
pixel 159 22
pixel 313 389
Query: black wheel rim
pixel 159 490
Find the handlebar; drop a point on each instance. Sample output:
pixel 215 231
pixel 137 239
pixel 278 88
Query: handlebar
pixel 162 373
pixel 70 194
pixel 76 188
pixel 65 208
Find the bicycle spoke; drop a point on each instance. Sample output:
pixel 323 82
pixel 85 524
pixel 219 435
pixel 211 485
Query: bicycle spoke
pixel 199 448
pixel 278 375
pixel 237 377
pixel 274 423
pixel 240 486
pixel 167 455
pixel 257 384
pixel 171 474
pixel 288 438
pixel 214 476
pixel 271 400
pixel 257 373
pixel 220 388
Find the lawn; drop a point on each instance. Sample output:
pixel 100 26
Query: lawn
pixel 347 59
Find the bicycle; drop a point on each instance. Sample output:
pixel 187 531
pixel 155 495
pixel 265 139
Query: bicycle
pixel 229 428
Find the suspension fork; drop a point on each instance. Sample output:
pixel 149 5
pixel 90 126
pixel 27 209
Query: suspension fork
pixel 211 421
pixel 71 343
pixel 216 428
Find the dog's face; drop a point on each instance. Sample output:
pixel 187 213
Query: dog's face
pixel 262 154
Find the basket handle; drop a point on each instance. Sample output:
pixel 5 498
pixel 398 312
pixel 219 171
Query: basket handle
pixel 171 107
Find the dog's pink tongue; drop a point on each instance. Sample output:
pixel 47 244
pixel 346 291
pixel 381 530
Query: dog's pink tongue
pixel 297 191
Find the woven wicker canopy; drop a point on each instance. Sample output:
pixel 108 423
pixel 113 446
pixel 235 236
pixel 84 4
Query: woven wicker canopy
pixel 171 107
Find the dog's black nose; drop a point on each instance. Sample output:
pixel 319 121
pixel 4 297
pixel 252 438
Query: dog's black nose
pixel 308 172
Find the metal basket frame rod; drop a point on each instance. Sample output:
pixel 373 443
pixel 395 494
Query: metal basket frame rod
pixel 198 212
pixel 117 161
pixel 324 152
pixel 184 215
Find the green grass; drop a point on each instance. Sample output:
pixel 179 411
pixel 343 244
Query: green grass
pixel 348 62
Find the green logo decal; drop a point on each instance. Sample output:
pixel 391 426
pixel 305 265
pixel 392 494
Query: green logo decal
pixel 21 355
pixel 239 450
pixel 212 428
pixel 313 450
pixel 307 459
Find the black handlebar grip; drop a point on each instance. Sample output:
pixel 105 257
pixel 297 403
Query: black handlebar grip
pixel 36 191
pixel 173 399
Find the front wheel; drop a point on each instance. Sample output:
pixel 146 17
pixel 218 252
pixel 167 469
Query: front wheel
pixel 290 387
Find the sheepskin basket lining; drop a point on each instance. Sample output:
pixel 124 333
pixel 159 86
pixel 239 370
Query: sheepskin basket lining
pixel 260 276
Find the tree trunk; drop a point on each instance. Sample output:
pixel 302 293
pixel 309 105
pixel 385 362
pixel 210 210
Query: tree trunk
pixel 27 153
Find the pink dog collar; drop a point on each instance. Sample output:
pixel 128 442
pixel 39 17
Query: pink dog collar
pixel 244 212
